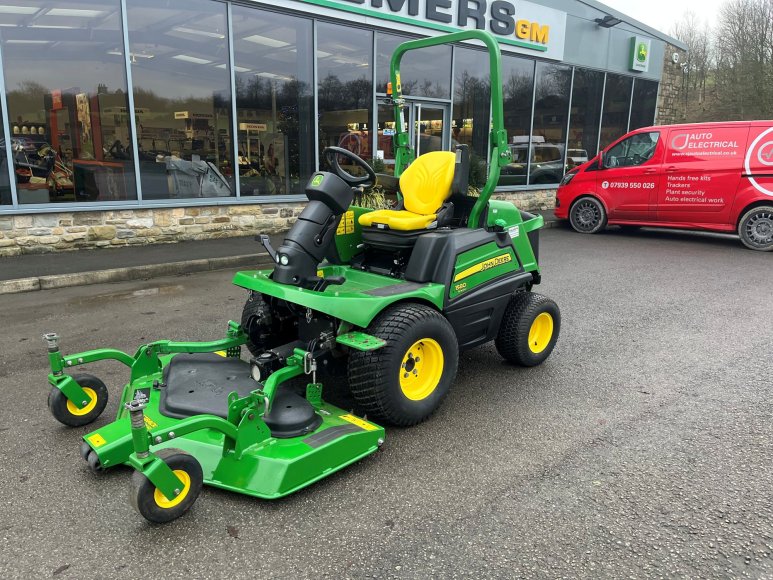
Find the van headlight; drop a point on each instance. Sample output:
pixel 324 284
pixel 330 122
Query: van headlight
pixel 568 178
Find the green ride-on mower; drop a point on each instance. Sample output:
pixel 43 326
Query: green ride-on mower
pixel 379 302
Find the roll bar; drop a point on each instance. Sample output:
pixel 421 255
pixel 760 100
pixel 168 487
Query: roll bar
pixel 499 152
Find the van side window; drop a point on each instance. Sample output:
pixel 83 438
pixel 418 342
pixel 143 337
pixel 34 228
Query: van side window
pixel 636 150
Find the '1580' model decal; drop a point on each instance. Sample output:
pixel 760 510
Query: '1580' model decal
pixel 483 266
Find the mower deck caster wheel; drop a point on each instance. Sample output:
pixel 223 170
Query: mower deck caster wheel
pixel 94 463
pixel 154 505
pixel 68 414
pixel 529 329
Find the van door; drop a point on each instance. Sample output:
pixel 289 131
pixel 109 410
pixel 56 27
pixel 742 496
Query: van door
pixel 702 170
pixel 630 178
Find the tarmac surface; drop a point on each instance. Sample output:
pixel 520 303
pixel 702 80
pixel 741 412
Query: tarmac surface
pixel 642 448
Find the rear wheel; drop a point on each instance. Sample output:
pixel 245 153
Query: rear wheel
pixel 65 410
pixel 529 330
pixel 404 382
pixel 756 228
pixel 588 216
pixel 153 505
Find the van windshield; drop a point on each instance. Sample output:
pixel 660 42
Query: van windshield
pixel 635 150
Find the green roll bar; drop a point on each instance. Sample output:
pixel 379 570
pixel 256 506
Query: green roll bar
pixel 499 152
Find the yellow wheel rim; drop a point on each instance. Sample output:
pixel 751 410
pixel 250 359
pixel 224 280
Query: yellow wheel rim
pixel 160 498
pixel 421 369
pixel 540 333
pixel 73 410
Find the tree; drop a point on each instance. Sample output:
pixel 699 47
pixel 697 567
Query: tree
pixel 728 74
pixel 697 36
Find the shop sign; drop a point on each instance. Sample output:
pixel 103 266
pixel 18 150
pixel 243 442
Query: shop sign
pixel 520 26
pixel 252 127
pixel 190 115
pixel 640 53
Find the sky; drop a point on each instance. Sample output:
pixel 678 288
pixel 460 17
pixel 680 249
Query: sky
pixel 663 14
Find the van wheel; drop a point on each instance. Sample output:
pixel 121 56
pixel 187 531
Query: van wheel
pixel 756 228
pixel 588 216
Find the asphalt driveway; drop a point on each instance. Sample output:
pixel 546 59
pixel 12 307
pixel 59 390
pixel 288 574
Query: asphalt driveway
pixel 643 447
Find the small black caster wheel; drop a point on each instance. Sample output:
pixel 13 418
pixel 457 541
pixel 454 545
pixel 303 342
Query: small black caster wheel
pixel 94 464
pixel 68 414
pixel 153 505
pixel 85 451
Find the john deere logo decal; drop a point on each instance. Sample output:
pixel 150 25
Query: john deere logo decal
pixel 317 181
pixel 642 52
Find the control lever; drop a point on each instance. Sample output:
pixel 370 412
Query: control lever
pixel 265 241
pixel 322 283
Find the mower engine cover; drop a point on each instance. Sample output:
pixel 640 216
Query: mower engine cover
pixel 308 241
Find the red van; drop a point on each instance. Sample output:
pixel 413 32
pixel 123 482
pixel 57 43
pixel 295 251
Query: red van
pixel 708 176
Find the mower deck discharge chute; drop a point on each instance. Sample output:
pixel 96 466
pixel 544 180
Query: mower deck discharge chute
pixel 378 301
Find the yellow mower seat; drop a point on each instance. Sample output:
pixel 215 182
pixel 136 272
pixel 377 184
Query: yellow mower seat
pixel 425 186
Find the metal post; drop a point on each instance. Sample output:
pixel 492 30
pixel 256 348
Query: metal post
pixel 531 129
pixel 234 119
pixel 7 137
pixel 374 101
pixel 130 96
pixel 601 116
pixel 452 95
pixel 569 119
pixel 630 105
pixel 315 82
pixel 417 130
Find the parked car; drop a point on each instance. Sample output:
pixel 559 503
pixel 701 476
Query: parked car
pixel 547 164
pixel 708 176
pixel 576 157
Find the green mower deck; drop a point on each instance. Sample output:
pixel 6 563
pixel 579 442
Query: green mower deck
pixel 269 469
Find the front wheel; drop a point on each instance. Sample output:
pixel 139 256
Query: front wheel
pixel 153 505
pixel 756 228
pixel 529 330
pixel 588 216
pixel 65 410
pixel 404 382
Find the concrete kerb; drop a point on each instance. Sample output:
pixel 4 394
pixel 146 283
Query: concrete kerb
pixel 145 272
pixel 132 273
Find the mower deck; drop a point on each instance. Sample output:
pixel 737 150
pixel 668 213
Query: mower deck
pixel 269 469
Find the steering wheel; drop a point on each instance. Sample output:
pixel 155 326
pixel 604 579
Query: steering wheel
pixel 331 155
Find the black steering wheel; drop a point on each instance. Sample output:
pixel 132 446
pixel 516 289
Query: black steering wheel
pixel 331 155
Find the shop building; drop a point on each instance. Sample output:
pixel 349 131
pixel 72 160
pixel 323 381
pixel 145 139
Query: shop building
pixel 144 121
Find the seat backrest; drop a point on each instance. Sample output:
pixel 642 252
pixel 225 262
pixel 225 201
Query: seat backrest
pixel 426 183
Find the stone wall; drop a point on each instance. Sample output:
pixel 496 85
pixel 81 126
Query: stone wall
pixel 544 199
pixel 41 233
pixel 671 106
pixel 51 232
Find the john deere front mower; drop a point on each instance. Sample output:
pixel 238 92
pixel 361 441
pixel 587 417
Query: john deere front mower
pixel 381 302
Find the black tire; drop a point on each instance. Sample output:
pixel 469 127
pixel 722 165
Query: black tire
pixel 756 228
pixel 263 337
pixel 588 216
pixel 513 339
pixel 375 376
pixel 145 498
pixel 67 413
